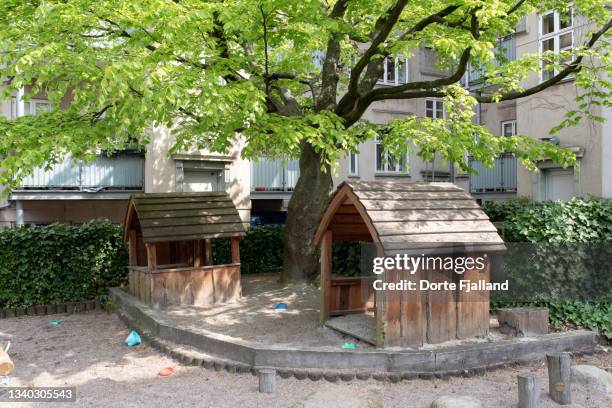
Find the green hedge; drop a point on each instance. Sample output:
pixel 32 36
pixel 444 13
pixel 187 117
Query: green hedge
pixel 575 222
pixel 60 263
pixel 260 251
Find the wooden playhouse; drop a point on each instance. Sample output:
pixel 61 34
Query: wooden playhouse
pixel 169 237
pixel 434 219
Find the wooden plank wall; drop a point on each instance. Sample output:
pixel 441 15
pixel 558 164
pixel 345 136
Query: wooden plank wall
pixel 412 313
pixel 419 317
pixel 187 286
pixel 351 295
pixel 473 307
pixel 326 271
pixel 441 310
pixel 347 224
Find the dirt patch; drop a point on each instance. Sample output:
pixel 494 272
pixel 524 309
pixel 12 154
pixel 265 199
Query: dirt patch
pixel 87 352
pixel 254 319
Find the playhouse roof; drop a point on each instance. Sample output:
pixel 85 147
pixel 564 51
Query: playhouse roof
pixel 415 216
pixel 183 216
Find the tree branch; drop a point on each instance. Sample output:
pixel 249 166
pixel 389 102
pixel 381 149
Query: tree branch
pixel 264 22
pixel 329 71
pixel 125 34
pixel 382 28
pixel 427 88
pixel 375 68
pixel 414 94
pixel 381 93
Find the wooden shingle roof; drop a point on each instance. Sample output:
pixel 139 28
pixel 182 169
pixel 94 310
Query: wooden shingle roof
pixel 406 216
pixel 184 216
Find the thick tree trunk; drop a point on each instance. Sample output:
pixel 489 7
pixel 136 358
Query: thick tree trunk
pixel 309 199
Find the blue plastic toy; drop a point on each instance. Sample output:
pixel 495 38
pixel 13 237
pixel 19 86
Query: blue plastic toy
pixel 133 339
pixel 55 322
pixel 280 306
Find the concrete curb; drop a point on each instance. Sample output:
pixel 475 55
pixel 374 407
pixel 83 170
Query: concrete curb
pixel 383 365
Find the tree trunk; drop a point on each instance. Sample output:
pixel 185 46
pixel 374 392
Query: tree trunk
pixel 308 201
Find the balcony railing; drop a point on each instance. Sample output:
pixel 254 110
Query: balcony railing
pixel 274 175
pixel 124 173
pixel 505 50
pixel 499 179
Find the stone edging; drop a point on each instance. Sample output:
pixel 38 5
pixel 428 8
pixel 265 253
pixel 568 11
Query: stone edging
pixel 42 310
pixel 225 353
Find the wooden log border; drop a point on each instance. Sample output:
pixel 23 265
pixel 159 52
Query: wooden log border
pixel 215 363
pixel 83 306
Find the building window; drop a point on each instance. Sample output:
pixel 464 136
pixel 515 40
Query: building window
pixel 508 128
pixel 386 162
pixel 556 35
pixel 353 164
pixel 395 71
pixel 31 107
pixel 434 108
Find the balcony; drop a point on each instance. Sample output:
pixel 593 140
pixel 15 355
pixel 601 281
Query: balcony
pixel 273 178
pixel 505 51
pixel 111 177
pixel 499 179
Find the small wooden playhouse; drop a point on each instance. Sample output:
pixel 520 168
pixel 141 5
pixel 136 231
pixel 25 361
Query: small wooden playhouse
pixel 437 219
pixel 169 237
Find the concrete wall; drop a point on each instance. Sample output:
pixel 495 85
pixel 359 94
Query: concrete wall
pixel 606 153
pixel 492 115
pixel 161 169
pixel 65 211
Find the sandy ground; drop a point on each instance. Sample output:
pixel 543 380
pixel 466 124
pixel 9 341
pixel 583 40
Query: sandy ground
pixel 87 352
pixel 254 320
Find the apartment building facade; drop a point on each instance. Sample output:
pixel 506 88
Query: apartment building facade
pixel 535 115
pixel 75 191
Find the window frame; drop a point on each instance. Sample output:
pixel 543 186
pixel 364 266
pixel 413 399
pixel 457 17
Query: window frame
pixel 435 108
pixel 398 166
pixel 555 36
pixel 505 122
pixel 353 172
pixel 383 80
pixel 31 104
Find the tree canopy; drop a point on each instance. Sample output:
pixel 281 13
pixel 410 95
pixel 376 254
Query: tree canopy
pixel 279 73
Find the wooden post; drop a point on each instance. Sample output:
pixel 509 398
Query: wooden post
pixel 267 380
pixel 133 248
pixel 326 271
pixel 197 253
pixel 208 252
pixel 151 256
pixel 559 378
pixel 235 244
pixel 528 390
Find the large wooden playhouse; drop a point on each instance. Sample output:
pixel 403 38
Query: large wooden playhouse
pixel 408 218
pixel 170 244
